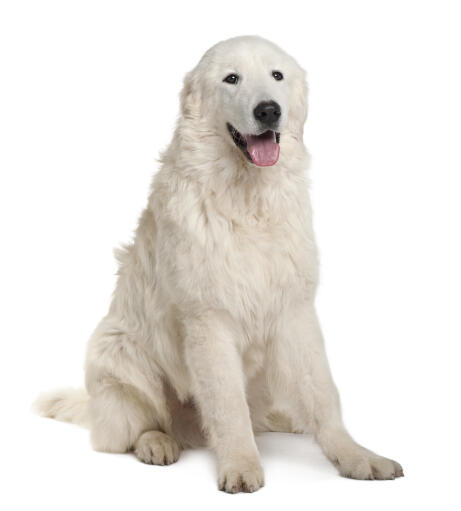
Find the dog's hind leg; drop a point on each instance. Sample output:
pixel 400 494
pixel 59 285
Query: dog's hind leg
pixel 157 448
pixel 122 420
pixel 127 407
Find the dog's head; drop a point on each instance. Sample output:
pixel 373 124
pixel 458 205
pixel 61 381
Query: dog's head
pixel 250 92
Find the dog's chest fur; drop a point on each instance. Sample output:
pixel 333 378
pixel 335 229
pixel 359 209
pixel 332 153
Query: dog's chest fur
pixel 249 252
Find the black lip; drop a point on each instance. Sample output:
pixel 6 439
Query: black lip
pixel 240 141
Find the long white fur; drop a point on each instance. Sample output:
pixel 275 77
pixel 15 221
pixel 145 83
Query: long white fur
pixel 212 332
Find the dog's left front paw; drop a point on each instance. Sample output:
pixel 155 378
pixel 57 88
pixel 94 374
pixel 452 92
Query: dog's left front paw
pixel 246 475
pixel 367 465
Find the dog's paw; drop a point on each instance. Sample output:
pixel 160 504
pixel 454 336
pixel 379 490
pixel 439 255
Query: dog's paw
pixel 245 475
pixel 367 465
pixel 156 448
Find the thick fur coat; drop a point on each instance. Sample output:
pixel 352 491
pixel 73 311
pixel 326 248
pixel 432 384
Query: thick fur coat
pixel 212 333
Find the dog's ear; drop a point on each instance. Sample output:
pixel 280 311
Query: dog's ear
pixel 298 103
pixel 191 96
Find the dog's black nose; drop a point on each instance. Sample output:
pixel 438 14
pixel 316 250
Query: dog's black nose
pixel 267 113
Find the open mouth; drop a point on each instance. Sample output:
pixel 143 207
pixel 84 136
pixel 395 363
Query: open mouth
pixel 262 150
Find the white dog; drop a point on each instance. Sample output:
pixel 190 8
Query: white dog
pixel 212 333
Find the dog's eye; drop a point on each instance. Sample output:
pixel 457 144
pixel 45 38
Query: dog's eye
pixel 231 79
pixel 277 75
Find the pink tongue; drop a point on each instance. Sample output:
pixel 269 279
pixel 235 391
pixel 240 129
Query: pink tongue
pixel 263 149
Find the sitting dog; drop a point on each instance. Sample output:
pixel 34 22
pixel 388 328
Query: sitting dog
pixel 212 333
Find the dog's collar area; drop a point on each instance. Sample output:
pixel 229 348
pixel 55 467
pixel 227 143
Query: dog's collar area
pixel 241 142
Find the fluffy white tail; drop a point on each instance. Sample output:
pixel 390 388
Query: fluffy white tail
pixel 68 405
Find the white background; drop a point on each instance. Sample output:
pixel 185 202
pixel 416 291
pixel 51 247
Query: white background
pixel 89 95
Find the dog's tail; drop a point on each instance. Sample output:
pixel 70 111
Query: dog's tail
pixel 68 405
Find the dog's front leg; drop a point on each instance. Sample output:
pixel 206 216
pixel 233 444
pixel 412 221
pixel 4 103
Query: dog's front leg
pixel 218 387
pixel 300 374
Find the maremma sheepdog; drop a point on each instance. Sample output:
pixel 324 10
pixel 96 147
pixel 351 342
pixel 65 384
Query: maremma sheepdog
pixel 212 334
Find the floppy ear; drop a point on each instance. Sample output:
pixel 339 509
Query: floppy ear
pixel 191 96
pixel 298 106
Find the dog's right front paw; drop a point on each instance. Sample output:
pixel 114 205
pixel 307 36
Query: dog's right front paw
pixel 244 475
